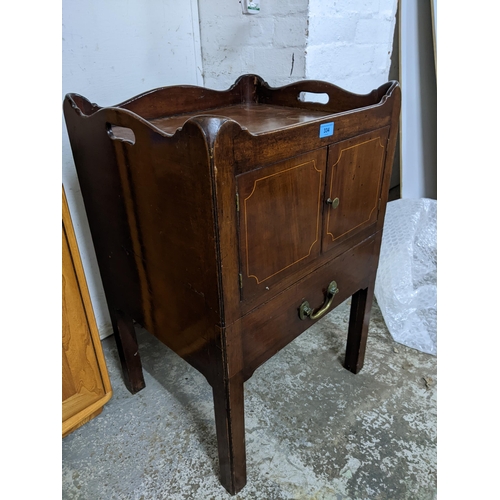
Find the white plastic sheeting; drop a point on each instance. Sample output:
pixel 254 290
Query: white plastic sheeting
pixel 406 284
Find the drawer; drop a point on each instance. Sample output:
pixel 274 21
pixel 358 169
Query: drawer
pixel 256 337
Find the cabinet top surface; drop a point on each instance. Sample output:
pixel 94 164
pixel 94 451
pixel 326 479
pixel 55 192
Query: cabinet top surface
pixel 257 118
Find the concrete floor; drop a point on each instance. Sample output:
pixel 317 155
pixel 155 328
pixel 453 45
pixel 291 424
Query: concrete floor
pixel 313 429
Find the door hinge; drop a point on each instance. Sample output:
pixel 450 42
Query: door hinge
pixel 241 280
pixel 379 203
pixel 237 202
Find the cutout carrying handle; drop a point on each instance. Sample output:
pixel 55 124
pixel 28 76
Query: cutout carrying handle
pixel 119 133
pixel 314 97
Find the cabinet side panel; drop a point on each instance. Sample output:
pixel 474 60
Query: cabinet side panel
pixel 395 102
pixel 97 171
pixel 167 189
pixel 160 189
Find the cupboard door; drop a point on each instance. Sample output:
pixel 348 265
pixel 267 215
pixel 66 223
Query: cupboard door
pixel 280 209
pixel 354 178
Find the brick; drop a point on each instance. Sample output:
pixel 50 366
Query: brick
pixel 284 7
pixel 342 59
pixel 237 32
pixel 290 32
pixel 363 8
pixel 221 9
pixel 275 63
pixel 388 6
pixel 373 31
pixel 328 29
pixel 382 58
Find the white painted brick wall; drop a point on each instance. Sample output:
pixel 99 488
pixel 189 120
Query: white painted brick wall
pixel 350 42
pixel 265 44
pixel 347 42
pixel 330 28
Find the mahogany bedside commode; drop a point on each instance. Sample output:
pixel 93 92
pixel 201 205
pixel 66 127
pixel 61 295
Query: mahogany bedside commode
pixel 228 222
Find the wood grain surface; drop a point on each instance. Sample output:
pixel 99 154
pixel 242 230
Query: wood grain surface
pixel 211 221
pixel 85 381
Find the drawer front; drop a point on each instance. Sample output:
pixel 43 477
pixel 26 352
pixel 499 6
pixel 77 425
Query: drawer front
pixel 261 333
pixel 280 213
pixel 354 180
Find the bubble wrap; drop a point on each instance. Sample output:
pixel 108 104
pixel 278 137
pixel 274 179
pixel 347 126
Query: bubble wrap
pixel 406 283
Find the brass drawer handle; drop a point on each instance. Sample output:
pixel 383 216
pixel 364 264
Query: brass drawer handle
pixel 305 310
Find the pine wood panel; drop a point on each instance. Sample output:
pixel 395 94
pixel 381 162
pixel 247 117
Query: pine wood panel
pixel 85 382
